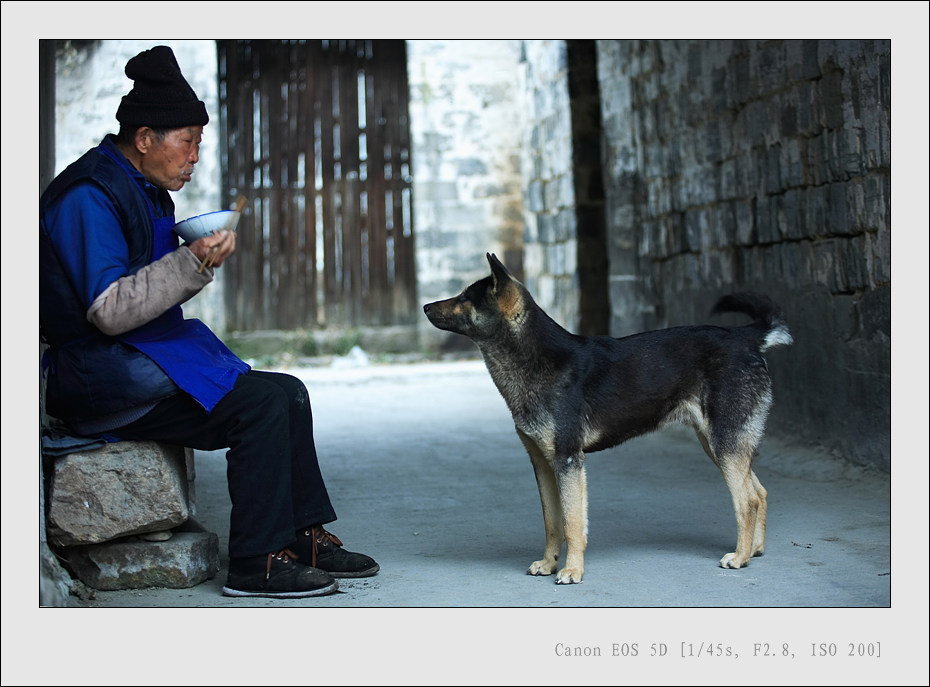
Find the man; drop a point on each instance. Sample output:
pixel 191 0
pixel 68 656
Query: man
pixel 123 362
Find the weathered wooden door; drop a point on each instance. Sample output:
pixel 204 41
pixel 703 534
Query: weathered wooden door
pixel 315 136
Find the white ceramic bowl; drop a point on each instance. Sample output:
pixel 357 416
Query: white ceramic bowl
pixel 204 225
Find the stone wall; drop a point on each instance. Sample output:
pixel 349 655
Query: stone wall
pixel 550 222
pixel 565 260
pixel 761 165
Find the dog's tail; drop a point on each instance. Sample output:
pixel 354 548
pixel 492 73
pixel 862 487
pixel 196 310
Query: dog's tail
pixel 768 316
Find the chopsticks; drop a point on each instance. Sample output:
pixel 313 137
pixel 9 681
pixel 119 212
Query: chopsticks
pixel 230 224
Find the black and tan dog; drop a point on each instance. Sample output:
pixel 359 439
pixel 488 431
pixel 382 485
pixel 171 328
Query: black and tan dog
pixel 571 395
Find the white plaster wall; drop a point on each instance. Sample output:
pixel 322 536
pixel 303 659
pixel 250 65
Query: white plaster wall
pixel 465 125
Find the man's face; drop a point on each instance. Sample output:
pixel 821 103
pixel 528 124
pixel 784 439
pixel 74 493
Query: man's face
pixel 169 163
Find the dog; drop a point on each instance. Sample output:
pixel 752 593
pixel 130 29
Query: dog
pixel 571 395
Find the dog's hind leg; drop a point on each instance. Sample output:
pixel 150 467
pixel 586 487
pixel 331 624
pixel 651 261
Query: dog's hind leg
pixel 749 504
pixel 551 507
pixel 758 534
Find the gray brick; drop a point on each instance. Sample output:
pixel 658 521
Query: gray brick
pixel 872 202
pixel 714 149
pixel 546 227
pixel 747 174
pixel 770 67
pixel 566 224
pixel 471 166
pixel 692 231
pixel 773 181
pixel 745 223
pixel 790 220
pixel 791 165
pixel 835 154
pixel 810 60
pixel 880 244
pixel 432 191
pixel 535 193
pixel 741 79
pixel 838 219
pixel 832 99
pixel 719 90
pixel 722 225
pixel 814 153
pixel 807 124
pixel 814 211
pixel 853 159
pixel 767 219
pixel 826 269
pixel 795 263
pixel 855 264
pixel 552 194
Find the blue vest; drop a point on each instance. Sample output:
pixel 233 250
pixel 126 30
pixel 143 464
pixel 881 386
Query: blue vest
pixel 91 375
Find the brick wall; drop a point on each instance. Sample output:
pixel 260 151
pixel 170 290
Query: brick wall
pixel 761 165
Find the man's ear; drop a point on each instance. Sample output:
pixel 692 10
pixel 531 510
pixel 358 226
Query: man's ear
pixel 144 139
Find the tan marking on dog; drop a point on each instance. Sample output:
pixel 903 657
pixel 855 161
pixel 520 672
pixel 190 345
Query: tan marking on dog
pixel 460 309
pixel 590 435
pixel 510 301
pixel 688 413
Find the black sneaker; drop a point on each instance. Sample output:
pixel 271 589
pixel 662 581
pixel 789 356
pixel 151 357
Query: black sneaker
pixel 321 549
pixel 276 575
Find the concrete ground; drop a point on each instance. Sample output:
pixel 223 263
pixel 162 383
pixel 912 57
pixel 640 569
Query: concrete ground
pixel 428 476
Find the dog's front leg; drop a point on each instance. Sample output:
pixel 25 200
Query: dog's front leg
pixel 573 495
pixel 552 509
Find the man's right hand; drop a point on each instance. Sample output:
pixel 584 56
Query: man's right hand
pixel 220 244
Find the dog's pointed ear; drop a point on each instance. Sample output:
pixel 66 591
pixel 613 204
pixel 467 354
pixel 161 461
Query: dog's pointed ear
pixel 506 290
pixel 499 272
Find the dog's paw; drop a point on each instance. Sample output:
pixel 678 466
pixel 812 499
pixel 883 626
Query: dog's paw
pixel 541 568
pixel 731 560
pixel 569 576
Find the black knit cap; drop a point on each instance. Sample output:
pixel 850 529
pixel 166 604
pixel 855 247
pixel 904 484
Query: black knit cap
pixel 161 97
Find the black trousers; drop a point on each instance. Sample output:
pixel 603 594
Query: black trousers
pixel 275 483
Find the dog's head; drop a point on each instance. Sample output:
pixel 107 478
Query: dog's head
pixel 482 308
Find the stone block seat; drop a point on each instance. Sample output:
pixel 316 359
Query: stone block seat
pixel 119 516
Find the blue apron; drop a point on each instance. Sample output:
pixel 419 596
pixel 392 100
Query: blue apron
pixel 188 352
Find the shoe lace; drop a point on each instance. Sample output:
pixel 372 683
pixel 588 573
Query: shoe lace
pixel 318 535
pixel 284 555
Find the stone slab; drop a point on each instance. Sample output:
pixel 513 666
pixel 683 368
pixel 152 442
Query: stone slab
pixel 122 489
pixel 185 560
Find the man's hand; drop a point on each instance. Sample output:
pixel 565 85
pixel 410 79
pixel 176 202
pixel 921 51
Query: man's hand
pixel 221 244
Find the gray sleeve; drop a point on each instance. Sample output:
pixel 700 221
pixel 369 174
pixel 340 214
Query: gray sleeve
pixel 130 302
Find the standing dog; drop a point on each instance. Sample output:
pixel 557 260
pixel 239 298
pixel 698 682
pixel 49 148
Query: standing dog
pixel 571 395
